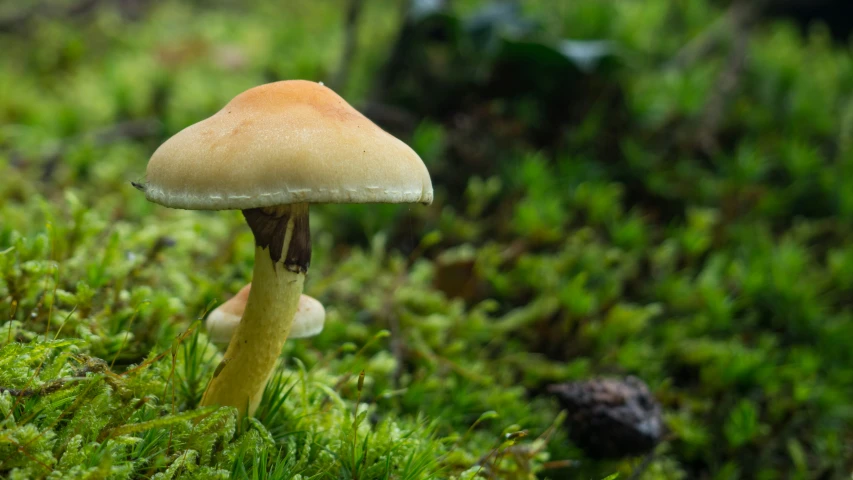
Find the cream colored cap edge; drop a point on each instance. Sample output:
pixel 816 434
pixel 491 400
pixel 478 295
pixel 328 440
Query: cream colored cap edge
pixel 156 194
pixel 309 321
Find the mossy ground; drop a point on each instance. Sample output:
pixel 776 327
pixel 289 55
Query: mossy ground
pixel 720 275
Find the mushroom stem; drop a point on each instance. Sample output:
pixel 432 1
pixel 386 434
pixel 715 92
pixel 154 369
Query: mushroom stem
pixel 282 255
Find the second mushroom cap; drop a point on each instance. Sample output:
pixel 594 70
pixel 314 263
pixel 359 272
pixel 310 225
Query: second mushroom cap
pixel 224 319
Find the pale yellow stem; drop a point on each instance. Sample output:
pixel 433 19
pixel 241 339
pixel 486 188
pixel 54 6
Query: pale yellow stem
pixel 252 355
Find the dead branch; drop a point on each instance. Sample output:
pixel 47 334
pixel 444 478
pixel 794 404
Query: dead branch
pixel 741 18
pixel 353 13
pixel 721 95
pixel 92 366
pixel 740 15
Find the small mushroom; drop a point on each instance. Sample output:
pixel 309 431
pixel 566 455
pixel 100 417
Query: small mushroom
pixel 223 321
pixel 270 152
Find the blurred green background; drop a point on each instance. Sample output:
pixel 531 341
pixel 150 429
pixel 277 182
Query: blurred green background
pixel 657 188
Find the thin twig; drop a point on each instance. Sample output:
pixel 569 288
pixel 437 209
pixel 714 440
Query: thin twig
pixel 739 14
pixel 742 17
pixel 641 468
pixel 353 13
pixel 725 88
pixel 398 344
pixel 57 384
pixel 396 57
pixel 46 389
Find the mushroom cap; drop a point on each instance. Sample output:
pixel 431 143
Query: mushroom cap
pixel 286 142
pixel 222 321
pixel 310 318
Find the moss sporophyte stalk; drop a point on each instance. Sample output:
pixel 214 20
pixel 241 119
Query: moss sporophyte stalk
pixel 248 157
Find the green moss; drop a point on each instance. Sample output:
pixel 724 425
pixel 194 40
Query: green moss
pixel 720 276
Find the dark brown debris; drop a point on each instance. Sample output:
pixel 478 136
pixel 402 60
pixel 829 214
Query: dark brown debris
pixel 611 418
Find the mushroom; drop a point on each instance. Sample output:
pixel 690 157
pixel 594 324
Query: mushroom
pixel 224 319
pixel 270 152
